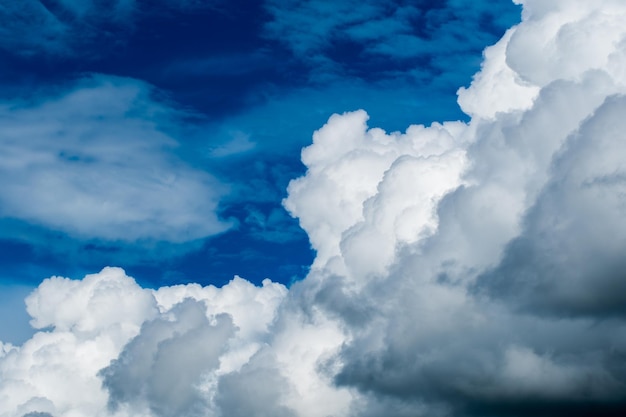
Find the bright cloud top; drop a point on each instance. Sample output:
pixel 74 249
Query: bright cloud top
pixel 462 269
pixel 95 162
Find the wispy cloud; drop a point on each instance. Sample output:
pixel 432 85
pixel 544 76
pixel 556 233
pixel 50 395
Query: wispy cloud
pixel 94 161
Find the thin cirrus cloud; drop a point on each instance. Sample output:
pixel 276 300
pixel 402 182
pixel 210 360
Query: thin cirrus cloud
pixel 360 37
pixel 494 290
pixel 95 162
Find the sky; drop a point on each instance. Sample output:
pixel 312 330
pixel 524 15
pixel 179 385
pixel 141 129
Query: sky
pixel 312 208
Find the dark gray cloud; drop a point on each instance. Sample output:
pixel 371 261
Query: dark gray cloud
pixel 473 357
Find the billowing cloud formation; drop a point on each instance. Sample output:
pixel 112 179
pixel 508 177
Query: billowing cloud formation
pixel 366 189
pixel 463 269
pixel 94 162
pixel 109 336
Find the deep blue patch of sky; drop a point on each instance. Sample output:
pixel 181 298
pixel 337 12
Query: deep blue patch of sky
pixel 266 74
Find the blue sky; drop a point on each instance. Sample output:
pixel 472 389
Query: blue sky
pixel 233 91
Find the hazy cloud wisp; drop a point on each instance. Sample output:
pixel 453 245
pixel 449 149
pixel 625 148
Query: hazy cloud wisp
pixel 94 162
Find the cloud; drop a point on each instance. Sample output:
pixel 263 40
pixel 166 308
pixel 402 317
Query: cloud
pixel 573 230
pixel 531 176
pixel 467 269
pixel 457 320
pixel 106 337
pixel 254 390
pixel 95 160
pixel 44 374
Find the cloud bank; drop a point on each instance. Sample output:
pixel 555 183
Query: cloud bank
pixel 466 269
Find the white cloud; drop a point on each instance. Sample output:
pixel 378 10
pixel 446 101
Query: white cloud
pixel 96 162
pixel 497 88
pixel 91 322
pixel 462 269
pixel 355 193
pixel 563 41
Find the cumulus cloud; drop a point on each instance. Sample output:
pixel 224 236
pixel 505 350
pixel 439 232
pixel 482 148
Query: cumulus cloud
pixel 95 161
pixel 129 350
pixel 574 230
pixel 364 186
pixel 467 269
